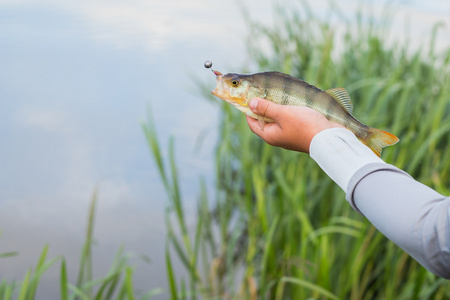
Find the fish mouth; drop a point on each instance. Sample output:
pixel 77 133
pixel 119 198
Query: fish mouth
pixel 221 91
pixel 226 93
pixel 222 95
pixel 215 92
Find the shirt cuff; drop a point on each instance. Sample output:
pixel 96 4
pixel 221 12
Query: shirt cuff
pixel 340 154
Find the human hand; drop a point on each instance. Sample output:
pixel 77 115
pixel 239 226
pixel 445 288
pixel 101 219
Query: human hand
pixel 294 126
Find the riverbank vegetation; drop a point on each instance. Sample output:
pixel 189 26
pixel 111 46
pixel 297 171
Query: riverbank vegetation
pixel 276 227
pixel 116 284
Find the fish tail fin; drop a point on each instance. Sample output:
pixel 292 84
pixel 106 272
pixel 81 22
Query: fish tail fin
pixel 378 139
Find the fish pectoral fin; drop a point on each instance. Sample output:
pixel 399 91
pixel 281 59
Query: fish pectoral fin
pixel 261 122
pixel 342 97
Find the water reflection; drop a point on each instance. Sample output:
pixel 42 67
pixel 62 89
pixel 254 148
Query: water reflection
pixel 76 78
pixel 75 82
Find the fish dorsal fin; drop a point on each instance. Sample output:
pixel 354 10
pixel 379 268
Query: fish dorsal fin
pixel 342 97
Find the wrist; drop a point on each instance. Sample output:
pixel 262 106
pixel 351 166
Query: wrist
pixel 340 154
pixel 320 128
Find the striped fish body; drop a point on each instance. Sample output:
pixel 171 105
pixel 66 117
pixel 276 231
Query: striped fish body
pixel 334 104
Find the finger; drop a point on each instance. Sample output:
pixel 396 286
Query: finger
pixel 254 127
pixel 265 108
pixel 270 129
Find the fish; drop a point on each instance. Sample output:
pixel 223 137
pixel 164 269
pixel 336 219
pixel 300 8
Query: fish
pixel 335 104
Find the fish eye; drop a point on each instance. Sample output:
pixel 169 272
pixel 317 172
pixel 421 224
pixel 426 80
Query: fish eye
pixel 235 82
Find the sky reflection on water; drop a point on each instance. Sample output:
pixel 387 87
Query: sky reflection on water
pixel 76 80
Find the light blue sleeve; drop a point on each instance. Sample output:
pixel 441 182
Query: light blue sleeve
pixel 410 214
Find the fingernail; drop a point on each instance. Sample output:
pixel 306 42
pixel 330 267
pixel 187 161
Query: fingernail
pixel 253 104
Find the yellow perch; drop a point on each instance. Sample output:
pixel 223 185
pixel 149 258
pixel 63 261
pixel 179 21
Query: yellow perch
pixel 334 104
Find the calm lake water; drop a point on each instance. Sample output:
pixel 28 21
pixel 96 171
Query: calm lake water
pixel 77 79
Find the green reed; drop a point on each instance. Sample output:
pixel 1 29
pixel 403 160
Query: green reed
pixel 276 227
pixel 116 284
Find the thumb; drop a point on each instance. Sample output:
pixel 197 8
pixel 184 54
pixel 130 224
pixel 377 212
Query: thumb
pixel 265 108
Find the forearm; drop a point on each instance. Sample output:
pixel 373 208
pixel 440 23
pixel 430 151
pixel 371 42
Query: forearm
pixel 413 216
pixel 410 214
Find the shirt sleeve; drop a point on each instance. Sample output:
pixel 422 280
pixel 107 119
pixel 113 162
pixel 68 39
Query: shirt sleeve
pixel 340 154
pixel 410 214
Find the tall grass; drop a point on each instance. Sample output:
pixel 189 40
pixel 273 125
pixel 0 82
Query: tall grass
pixel 116 284
pixel 277 227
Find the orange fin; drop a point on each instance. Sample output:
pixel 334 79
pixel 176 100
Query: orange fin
pixel 378 139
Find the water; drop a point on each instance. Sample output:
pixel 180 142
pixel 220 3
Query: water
pixel 76 81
